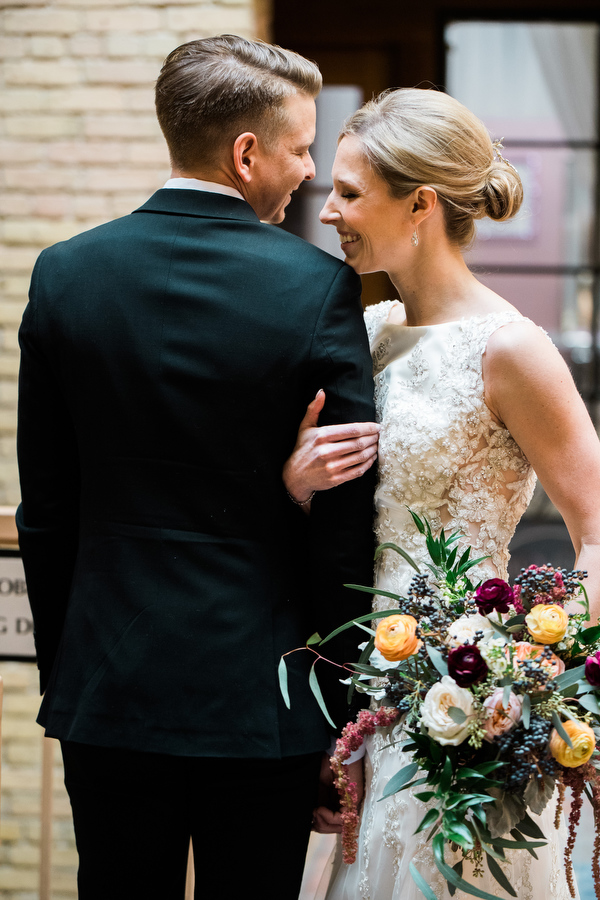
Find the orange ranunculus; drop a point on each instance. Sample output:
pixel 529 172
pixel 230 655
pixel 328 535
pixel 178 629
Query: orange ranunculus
pixel 395 637
pixel 583 740
pixel 523 650
pixel 547 623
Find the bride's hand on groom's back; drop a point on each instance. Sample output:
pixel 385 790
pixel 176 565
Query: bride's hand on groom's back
pixel 327 456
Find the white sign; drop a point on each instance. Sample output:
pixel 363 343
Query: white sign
pixel 16 623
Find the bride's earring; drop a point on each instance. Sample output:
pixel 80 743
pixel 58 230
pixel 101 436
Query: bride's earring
pixel 415 238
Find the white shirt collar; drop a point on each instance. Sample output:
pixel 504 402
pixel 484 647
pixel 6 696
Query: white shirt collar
pixel 194 184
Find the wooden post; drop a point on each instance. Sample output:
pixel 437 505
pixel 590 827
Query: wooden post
pixel 46 817
pixel 190 878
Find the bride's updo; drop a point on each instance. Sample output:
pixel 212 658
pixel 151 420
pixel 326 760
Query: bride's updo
pixel 413 137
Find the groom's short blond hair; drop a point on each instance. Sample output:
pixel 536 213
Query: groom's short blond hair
pixel 209 91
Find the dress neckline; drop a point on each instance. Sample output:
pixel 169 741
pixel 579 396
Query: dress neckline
pixel 508 312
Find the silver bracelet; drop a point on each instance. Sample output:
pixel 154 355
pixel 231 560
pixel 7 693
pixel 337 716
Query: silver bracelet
pixel 300 502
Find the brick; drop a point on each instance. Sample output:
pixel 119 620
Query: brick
pixel 86 98
pixel 17 259
pixel 210 20
pixel 86 45
pixel 49 47
pixel 85 152
pixel 23 100
pixel 41 126
pixel 38 21
pixel 42 73
pixel 155 154
pixel 20 151
pixel 121 178
pixel 121 126
pixel 121 72
pixel 12 47
pixel 37 231
pixel 10 831
pixel 12 879
pixel 134 20
pixel 140 99
pixel 15 286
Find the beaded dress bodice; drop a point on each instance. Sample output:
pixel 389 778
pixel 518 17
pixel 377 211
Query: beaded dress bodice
pixel 441 451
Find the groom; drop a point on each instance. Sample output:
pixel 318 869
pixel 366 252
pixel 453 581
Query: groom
pixel 167 360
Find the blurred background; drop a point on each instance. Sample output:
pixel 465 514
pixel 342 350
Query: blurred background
pixel 79 145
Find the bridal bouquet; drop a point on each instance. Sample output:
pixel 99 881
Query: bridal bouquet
pixel 497 692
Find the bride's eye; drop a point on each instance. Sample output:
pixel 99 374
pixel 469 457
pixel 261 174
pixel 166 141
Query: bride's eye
pixel 348 195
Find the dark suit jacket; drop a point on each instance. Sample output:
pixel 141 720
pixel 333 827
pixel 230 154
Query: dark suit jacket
pixel 167 360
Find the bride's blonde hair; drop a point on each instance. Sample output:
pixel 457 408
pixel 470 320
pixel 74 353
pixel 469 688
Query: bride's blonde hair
pixel 414 137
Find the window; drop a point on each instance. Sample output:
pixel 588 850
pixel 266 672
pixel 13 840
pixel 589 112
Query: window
pixel 535 86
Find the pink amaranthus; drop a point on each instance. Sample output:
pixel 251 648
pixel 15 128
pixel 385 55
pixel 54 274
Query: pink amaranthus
pixel 352 737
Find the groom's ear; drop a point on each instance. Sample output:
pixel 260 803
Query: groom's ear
pixel 245 151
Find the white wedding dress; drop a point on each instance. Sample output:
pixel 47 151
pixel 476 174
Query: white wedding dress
pixel 442 454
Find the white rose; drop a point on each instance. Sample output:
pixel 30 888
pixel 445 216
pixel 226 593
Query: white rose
pixel 463 630
pixel 434 711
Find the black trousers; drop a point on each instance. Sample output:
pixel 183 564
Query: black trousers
pixel 134 814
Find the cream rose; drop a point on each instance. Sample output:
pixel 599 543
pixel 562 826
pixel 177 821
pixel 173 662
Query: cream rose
pixel 434 711
pixel 499 720
pixel 463 630
pixel 547 623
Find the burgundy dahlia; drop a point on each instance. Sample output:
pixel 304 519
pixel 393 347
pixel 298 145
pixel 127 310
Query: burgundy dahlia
pixel 592 669
pixel 466 665
pixel 493 594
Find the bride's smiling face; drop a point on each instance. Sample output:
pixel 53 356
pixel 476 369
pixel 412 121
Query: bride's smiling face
pixel 374 227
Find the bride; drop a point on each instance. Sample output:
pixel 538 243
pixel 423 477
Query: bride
pixel 473 401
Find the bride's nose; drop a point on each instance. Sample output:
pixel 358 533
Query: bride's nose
pixel 329 215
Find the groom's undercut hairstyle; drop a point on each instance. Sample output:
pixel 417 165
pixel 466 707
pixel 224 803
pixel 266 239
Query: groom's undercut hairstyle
pixel 210 91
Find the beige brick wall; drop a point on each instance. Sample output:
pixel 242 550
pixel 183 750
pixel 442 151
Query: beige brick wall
pixel 79 145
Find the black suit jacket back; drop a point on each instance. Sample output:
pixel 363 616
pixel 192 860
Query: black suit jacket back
pixel 167 359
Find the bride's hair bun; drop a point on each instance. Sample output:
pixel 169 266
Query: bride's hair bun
pixel 503 191
pixel 413 137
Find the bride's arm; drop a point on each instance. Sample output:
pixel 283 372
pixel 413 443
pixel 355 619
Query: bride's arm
pixel 327 456
pixel 530 389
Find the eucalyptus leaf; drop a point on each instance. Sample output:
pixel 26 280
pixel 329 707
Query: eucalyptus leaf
pixel 589 635
pixel 457 714
pixel 590 702
pixel 430 818
pixel 571 676
pixel 526 711
pixel 283 682
pixel 421 883
pixel 398 780
pixel 437 659
pixel 389 545
pixel 451 876
pixel 528 827
pixel 499 875
pixel 314 686
pixel 559 727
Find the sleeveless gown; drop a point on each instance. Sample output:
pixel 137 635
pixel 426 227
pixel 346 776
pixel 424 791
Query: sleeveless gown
pixel 442 454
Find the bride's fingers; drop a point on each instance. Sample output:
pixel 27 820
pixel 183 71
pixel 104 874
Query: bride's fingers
pixel 313 410
pixel 353 431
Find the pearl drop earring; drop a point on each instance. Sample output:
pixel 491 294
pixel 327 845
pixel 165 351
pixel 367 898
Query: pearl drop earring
pixel 415 238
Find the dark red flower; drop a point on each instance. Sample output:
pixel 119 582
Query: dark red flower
pixel 493 594
pixel 466 665
pixel 592 669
